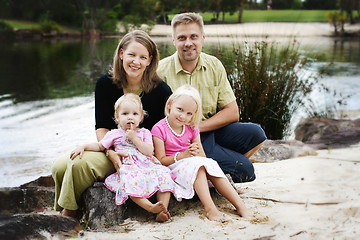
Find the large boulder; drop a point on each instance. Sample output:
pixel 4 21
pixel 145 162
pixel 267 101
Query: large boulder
pixel 276 150
pixel 323 133
pixel 100 210
pixel 37 226
pixel 28 197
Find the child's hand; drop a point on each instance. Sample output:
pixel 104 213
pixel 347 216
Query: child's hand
pixel 194 149
pixel 130 133
pixel 77 151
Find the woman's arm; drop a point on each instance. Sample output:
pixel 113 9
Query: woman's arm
pixel 115 157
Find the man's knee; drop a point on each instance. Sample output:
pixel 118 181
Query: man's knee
pixel 244 173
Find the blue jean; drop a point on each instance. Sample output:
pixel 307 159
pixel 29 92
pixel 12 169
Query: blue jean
pixel 227 146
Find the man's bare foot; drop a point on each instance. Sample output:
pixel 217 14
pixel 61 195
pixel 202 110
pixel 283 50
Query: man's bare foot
pixel 163 216
pixel 217 216
pixel 157 207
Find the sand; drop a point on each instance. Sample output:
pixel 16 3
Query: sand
pixel 311 197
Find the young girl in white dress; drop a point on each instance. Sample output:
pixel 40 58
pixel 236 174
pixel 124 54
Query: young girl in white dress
pixel 177 145
pixel 140 174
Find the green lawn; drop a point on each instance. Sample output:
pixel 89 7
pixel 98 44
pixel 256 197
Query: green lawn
pixel 273 16
pixel 17 24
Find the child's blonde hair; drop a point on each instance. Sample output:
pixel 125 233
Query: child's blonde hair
pixel 131 97
pixel 187 90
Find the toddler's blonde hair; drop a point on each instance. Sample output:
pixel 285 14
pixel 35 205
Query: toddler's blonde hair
pixel 187 90
pixel 131 97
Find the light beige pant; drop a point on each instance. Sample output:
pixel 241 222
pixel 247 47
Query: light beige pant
pixel 73 177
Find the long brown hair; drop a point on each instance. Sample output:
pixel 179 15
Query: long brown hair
pixel 150 78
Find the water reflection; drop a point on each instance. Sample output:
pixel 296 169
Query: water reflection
pixel 46 94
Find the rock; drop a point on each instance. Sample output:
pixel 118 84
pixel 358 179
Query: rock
pixel 37 226
pixel 275 150
pixel 100 210
pixel 323 133
pixel 28 197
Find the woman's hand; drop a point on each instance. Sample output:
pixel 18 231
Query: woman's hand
pixel 116 158
pixel 77 151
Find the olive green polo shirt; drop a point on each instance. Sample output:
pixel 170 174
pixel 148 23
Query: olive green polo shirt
pixel 209 77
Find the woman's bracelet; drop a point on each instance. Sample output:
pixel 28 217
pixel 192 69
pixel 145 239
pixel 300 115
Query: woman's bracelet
pixel 107 152
pixel 175 156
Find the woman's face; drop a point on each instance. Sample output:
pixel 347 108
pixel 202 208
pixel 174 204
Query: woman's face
pixel 129 115
pixel 135 59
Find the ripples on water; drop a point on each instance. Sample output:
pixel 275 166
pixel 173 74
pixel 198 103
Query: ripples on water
pixel 34 133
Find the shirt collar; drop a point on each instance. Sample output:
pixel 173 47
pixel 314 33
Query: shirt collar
pixel 179 68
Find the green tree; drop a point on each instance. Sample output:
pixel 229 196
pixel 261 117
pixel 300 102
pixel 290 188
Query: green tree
pixel 320 4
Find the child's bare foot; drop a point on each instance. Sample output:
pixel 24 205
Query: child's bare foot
pixel 163 216
pixel 157 207
pixel 216 215
pixel 245 213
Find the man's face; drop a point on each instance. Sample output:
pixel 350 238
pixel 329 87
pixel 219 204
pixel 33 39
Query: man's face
pixel 188 40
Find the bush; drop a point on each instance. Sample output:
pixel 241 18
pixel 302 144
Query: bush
pixel 6 29
pixel 269 83
pixel 48 26
pixel 132 22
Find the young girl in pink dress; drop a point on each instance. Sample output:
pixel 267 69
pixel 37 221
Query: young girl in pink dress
pixel 177 145
pixel 140 174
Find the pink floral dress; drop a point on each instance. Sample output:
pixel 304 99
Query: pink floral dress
pixel 140 175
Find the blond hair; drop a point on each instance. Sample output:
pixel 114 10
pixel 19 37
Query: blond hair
pixel 150 78
pixel 189 91
pixel 131 97
pixel 186 18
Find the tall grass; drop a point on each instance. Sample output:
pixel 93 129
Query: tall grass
pixel 269 83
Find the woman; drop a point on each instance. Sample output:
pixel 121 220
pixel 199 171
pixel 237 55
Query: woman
pixel 134 70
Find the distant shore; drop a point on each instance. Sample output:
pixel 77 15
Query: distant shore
pixel 270 29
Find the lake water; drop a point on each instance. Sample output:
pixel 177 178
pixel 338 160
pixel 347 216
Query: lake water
pixel 47 103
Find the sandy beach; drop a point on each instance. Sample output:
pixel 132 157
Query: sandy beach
pixel 271 29
pixel 310 197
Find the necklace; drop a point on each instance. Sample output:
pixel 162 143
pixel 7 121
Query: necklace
pixel 172 130
pixel 139 91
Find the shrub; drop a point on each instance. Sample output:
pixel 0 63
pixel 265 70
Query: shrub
pixel 47 26
pixel 269 83
pixel 6 29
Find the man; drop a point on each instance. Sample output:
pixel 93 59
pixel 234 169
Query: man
pixel 224 139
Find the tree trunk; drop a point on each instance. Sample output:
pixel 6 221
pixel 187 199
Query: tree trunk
pixel 241 9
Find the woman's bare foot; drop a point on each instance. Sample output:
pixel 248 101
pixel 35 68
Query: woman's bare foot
pixel 70 213
pixel 163 216
pixel 216 215
pixel 157 207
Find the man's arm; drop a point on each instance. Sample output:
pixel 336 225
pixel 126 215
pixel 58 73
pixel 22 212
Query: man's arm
pixel 228 114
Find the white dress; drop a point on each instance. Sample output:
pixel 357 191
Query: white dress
pixel 185 171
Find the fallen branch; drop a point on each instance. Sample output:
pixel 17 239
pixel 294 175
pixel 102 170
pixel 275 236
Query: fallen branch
pixel 292 202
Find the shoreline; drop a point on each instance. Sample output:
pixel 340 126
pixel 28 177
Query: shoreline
pixel 263 29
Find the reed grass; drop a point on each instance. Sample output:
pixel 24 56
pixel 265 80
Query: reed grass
pixel 269 82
